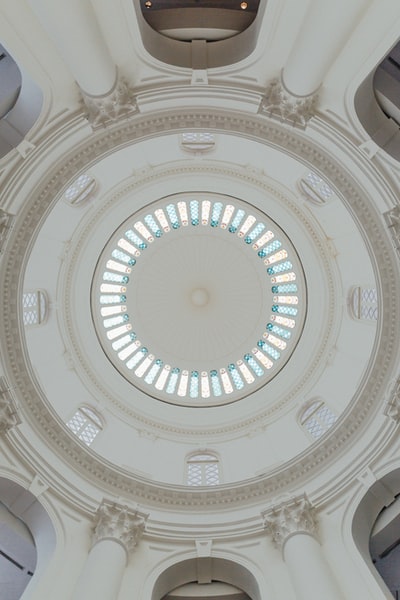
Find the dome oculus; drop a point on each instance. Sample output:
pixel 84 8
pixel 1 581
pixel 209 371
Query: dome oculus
pixel 199 299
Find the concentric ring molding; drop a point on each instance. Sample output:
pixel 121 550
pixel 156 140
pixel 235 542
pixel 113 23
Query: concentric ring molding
pixel 80 263
pixel 26 228
pixel 208 279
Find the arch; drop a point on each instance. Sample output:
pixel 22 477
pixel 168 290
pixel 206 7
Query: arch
pixel 210 569
pixel 20 106
pixel 202 468
pixel 382 495
pixel 315 417
pixel 363 303
pixel 199 54
pixel 26 513
pixel 86 424
pixel 377 106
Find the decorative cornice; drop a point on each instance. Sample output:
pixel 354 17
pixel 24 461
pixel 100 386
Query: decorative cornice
pixel 106 109
pixel 290 475
pixel 117 522
pixel 8 411
pixel 280 103
pixel 289 518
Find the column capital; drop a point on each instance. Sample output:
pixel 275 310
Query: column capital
pixel 119 523
pixel 280 103
pixel 102 110
pixel 290 518
pixel 8 411
pixel 392 408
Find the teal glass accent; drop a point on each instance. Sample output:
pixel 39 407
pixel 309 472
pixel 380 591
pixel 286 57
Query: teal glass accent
pixel 125 258
pixel 135 359
pixel 283 333
pixel 237 219
pixel 216 213
pixel 284 289
pixel 255 367
pixel 280 268
pixel 194 212
pixel 272 352
pixel 236 378
pixel 255 233
pixel 115 277
pixel 194 384
pixel 135 239
pixel 275 245
pixel 215 383
pixel 152 225
pixel 173 380
pixel 286 310
pixel 151 375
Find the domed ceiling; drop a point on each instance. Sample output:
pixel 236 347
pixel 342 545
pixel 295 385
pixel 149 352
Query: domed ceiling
pixel 201 300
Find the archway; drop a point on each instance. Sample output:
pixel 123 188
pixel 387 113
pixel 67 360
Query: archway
pixel 206 577
pixel 27 538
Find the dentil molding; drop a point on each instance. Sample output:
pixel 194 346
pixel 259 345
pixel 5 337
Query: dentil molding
pixel 90 466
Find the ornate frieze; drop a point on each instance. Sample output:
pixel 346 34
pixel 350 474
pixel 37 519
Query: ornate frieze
pixel 289 518
pixel 119 523
pixel 279 102
pixel 117 104
pixel 269 484
pixel 8 411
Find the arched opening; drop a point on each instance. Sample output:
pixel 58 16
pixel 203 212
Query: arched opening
pixel 21 102
pixel 199 34
pixel 377 103
pixel 207 577
pixel 27 539
pixel 376 531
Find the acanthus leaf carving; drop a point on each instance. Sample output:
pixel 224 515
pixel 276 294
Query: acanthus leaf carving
pixel 106 109
pixel 392 408
pixel 114 521
pixel 291 517
pixel 280 103
pixel 8 411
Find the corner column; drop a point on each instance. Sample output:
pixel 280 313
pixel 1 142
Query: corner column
pixel 293 528
pixel 73 27
pixel 116 534
pixel 325 30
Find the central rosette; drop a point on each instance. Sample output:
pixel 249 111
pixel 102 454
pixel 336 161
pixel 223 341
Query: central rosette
pixel 199 299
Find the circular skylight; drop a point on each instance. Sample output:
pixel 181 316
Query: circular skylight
pixel 199 299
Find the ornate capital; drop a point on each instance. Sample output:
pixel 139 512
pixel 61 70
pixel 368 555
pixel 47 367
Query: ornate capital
pixel 5 224
pixel 8 411
pixel 290 518
pixel 120 102
pixel 119 523
pixel 392 218
pixel 392 408
pixel 280 103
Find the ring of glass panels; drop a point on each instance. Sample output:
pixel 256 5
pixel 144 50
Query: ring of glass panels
pixel 240 371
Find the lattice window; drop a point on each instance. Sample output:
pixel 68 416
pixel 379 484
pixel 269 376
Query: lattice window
pixel 316 418
pixel 85 424
pixel 34 307
pixel 202 469
pixel 80 190
pixel 364 303
pixel 315 189
pixel 197 141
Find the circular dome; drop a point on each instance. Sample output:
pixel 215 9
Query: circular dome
pixel 199 299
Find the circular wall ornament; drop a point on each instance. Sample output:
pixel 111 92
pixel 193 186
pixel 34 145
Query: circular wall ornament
pixel 199 299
